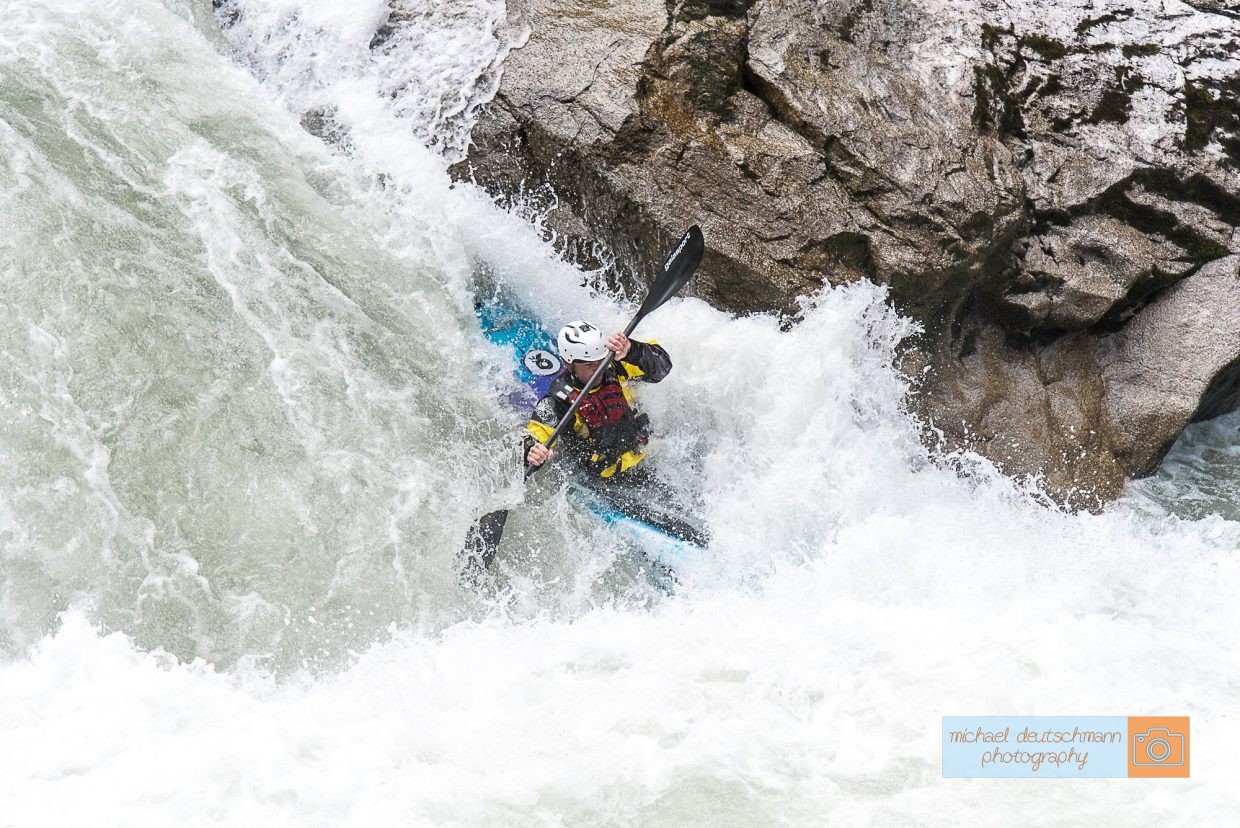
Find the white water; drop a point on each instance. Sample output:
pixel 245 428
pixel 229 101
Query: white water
pixel 246 417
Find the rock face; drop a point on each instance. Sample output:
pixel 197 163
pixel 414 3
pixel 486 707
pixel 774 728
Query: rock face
pixel 1051 190
pixel 1089 411
pixel 749 120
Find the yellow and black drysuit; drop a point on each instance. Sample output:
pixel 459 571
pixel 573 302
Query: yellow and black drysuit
pixel 608 436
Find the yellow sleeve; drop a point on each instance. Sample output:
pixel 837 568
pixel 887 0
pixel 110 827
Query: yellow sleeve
pixel 540 430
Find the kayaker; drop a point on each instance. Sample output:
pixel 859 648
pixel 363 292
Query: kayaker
pixel 608 436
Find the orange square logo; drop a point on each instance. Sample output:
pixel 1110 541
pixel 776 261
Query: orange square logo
pixel 1158 747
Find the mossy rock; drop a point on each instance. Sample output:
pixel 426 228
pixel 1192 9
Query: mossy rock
pixel 701 9
pixel 1206 115
pixel 995 110
pixel 1088 23
pixel 1047 48
pixel 1115 105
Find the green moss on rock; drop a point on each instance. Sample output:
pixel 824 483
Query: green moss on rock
pixel 1047 48
pixel 686 10
pixel 1207 114
pixel 995 110
pixel 992 36
pixel 1088 23
pixel 1116 102
pixel 1115 105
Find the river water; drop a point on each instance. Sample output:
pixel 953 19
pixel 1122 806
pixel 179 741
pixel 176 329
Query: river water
pixel 246 416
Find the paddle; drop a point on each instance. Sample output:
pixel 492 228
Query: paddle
pixel 482 540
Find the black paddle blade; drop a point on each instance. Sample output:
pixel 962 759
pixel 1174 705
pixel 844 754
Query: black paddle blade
pixel 481 543
pixel 677 270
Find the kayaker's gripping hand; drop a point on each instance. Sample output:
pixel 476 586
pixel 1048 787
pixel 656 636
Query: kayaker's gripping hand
pixel 538 454
pixel 618 344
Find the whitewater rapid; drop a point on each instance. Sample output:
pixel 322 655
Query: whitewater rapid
pixel 246 417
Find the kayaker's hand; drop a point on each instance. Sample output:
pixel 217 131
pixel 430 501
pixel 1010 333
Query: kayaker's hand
pixel 539 454
pixel 618 343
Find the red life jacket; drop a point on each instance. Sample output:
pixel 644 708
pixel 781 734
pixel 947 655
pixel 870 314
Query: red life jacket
pixel 614 427
pixel 604 406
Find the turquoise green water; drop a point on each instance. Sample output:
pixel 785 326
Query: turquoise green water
pixel 1200 476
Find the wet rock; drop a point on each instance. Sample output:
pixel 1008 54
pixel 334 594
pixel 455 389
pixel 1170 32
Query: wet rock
pixel 797 174
pixel 1084 272
pixel 1034 411
pixel 1227 7
pixel 1177 362
pixel 934 201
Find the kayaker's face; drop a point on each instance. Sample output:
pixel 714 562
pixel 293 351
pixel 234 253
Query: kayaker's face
pixel 584 370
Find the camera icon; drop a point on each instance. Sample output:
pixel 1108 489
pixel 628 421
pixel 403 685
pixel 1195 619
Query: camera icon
pixel 1158 746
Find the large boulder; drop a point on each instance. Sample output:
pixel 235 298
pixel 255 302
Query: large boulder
pixel 749 119
pixel 1085 412
pixel 1175 362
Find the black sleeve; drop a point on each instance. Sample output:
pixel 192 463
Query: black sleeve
pixel 651 358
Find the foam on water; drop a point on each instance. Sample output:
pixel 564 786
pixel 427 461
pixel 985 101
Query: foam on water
pixel 247 418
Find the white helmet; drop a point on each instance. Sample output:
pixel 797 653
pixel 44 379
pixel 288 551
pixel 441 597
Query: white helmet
pixel 581 342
